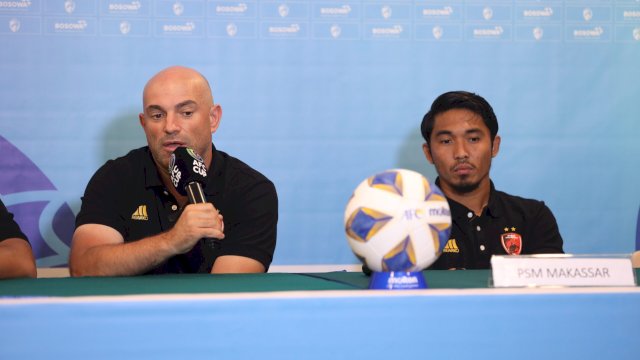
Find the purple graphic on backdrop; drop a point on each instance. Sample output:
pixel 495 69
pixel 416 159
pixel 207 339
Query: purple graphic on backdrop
pixel 47 221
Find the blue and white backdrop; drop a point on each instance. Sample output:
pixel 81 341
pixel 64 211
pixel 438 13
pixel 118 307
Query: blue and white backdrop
pixel 319 95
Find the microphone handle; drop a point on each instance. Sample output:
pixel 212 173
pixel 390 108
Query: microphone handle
pixel 196 196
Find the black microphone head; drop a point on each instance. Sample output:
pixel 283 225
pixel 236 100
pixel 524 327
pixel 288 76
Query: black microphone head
pixel 186 167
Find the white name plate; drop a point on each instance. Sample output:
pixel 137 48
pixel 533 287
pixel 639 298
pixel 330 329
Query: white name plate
pixel 561 270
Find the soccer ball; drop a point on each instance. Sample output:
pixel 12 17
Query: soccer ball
pixel 397 221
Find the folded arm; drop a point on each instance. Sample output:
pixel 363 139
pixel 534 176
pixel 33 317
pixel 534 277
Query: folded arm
pixel 16 259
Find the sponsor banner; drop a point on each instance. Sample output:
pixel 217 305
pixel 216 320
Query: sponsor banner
pixel 628 33
pixel 20 6
pixel 282 30
pixel 284 10
pixel 20 25
pixel 232 29
pixel 439 11
pixel 193 28
pixel 628 13
pixel 337 31
pixel 125 7
pixel 125 27
pixel 538 13
pixel 181 8
pixel 388 11
pixel 499 31
pixel 539 33
pixel 439 32
pixel 595 32
pixel 588 13
pixel 228 9
pixel 385 30
pixel 490 12
pixel 336 10
pixel 70 26
pixel 70 7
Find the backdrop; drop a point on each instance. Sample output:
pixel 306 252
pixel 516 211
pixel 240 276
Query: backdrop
pixel 318 95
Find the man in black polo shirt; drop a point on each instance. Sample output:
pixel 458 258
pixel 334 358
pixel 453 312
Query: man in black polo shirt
pixel 16 257
pixel 133 221
pixel 460 131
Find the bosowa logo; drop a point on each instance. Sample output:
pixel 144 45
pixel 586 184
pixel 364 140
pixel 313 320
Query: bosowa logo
pixel 37 205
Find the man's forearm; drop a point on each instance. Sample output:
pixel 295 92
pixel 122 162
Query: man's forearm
pixel 124 259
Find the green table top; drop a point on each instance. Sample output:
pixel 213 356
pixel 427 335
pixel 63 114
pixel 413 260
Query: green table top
pixel 227 283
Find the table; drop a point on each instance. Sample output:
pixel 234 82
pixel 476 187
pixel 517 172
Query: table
pixel 311 316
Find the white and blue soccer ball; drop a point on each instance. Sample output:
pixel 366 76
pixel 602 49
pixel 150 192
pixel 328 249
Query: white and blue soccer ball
pixel 397 221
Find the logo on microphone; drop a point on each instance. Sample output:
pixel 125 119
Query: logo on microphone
pixel 174 171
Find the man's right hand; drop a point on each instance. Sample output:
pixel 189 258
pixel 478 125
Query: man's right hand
pixel 197 221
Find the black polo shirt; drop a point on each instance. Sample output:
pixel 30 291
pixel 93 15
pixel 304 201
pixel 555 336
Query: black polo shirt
pixel 525 226
pixel 8 227
pixel 128 195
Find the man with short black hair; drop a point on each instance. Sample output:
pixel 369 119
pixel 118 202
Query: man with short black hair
pixel 16 257
pixel 133 221
pixel 460 132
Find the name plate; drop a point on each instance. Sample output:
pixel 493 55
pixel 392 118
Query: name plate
pixel 561 270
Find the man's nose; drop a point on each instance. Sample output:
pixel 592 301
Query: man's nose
pixel 460 150
pixel 171 125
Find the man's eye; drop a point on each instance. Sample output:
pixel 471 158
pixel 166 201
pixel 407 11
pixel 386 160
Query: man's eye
pixel 187 113
pixel 156 116
pixel 445 141
pixel 474 139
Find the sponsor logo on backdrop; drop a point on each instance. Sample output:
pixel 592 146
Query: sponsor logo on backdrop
pixel 487 13
pixel 333 11
pixel 631 14
pixel 445 11
pixel 133 6
pixel 14 25
pixel 125 27
pixel 232 29
pixel 37 205
pixel 240 8
pixel 283 10
pixel 537 33
pixel 69 6
pixel 636 34
pixel 538 13
pixel 587 14
pixel 437 32
pixel 495 31
pixel 386 11
pixel 178 8
pixel 78 26
pixel 290 29
pixel 596 32
pixel 392 30
pixel 15 4
pixel 179 28
pixel 335 30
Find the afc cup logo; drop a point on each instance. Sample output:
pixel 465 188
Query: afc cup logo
pixel 232 29
pixel 283 10
pixel 14 25
pixel 587 14
pixel 335 31
pixel 537 33
pixel 487 13
pixel 386 11
pixel 69 6
pixel 178 8
pixel 437 32
pixel 125 27
pixel 636 34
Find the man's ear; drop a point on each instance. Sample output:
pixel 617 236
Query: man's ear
pixel 427 152
pixel 495 148
pixel 141 117
pixel 215 115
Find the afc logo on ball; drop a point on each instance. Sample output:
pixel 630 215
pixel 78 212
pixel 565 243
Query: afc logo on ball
pixel 417 214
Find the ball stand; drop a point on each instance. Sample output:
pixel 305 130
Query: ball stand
pixel 397 280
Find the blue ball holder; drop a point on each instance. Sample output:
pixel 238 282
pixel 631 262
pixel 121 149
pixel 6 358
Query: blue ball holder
pixel 397 280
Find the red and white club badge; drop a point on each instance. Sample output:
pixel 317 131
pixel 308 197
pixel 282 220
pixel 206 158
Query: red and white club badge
pixel 512 243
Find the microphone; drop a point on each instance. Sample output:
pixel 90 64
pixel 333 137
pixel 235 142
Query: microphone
pixel 188 176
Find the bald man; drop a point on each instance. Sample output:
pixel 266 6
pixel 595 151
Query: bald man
pixel 133 221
